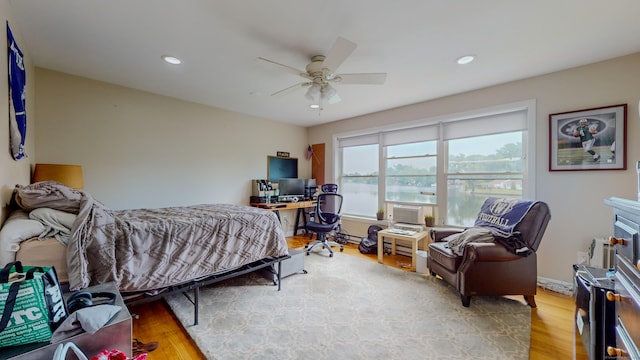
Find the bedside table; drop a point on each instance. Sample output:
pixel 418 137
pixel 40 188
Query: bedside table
pixel 414 237
pixel 116 334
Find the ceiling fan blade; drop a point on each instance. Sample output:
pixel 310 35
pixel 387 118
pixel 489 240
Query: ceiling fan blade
pixel 338 53
pixel 363 78
pixel 291 88
pixel 286 68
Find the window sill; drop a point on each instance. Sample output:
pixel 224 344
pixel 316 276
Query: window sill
pixel 365 219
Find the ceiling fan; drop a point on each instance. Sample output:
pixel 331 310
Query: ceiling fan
pixel 320 73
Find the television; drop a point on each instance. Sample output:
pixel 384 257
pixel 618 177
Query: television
pixel 288 186
pixel 281 167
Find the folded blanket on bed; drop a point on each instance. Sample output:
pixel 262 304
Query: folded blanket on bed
pixel 56 223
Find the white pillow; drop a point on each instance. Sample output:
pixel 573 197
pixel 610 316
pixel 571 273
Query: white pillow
pixel 18 227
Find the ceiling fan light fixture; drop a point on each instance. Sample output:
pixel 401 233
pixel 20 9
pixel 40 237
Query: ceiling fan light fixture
pixel 313 92
pixel 334 99
pixel 329 91
pixel 171 59
pixel 330 95
pixel 463 60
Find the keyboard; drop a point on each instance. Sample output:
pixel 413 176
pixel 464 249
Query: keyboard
pixel 401 232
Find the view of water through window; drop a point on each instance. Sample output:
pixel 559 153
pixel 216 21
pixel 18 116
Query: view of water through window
pixel 477 167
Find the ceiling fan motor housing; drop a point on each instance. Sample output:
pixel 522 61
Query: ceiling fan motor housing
pixel 314 68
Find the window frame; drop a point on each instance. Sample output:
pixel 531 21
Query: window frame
pixel 527 108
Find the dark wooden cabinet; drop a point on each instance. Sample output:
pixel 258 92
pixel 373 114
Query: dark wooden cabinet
pixel 626 232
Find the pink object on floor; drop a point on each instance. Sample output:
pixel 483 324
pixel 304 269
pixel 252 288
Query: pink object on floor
pixel 117 355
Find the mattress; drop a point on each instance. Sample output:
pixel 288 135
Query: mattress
pixel 45 252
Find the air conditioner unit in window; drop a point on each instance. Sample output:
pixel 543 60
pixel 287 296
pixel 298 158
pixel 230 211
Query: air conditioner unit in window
pixel 407 214
pixel 601 254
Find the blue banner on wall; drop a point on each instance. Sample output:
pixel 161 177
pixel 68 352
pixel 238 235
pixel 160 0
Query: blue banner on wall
pixel 17 98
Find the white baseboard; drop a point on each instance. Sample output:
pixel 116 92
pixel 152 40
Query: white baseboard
pixel 558 286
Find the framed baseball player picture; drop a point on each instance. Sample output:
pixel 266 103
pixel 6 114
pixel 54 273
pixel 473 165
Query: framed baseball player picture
pixel 590 139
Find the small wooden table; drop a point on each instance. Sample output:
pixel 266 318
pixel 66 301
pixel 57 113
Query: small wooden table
pixel 396 234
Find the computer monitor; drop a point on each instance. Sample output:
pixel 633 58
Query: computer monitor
pixel 310 188
pixel 289 186
pixel 281 167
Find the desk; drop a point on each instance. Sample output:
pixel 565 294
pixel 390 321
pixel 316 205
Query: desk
pixel 413 238
pixel 299 206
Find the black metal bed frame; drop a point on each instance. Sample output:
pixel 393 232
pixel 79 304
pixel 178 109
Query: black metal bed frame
pixel 195 285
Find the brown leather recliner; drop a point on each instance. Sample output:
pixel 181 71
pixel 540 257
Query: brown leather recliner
pixel 489 268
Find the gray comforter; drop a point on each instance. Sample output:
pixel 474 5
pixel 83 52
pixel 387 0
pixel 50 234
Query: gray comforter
pixel 148 249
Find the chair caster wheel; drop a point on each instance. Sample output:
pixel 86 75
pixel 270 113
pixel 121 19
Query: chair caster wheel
pixel 341 249
pixel 331 255
pixel 308 253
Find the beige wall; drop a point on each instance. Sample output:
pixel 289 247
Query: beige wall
pixel 575 198
pixel 143 150
pixel 14 172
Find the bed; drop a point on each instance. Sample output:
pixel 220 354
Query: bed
pixel 145 252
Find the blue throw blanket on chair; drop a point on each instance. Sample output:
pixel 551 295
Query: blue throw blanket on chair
pixel 502 216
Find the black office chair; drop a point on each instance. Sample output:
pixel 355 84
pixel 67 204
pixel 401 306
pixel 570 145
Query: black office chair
pixel 329 188
pixel 326 220
pixel 325 188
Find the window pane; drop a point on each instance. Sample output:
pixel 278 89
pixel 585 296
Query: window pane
pixel 411 171
pixel 414 149
pixel 412 166
pixel 359 185
pixel 465 196
pixel 490 153
pixel 360 160
pixel 360 196
pixel 411 189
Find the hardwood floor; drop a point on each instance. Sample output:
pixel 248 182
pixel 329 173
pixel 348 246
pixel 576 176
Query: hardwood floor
pixel 551 321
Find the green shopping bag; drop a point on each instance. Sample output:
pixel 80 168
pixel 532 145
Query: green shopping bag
pixel 31 304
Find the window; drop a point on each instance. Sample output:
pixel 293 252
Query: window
pixel 452 163
pixel 482 166
pixel 411 173
pixel 359 185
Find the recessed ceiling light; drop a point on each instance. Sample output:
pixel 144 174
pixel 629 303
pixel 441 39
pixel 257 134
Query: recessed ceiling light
pixel 465 59
pixel 171 59
pixel 314 106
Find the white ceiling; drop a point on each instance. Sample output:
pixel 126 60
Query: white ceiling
pixel 416 42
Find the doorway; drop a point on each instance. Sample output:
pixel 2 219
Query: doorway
pixel 317 163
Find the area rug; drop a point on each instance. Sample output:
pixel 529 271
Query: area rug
pixel 347 307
